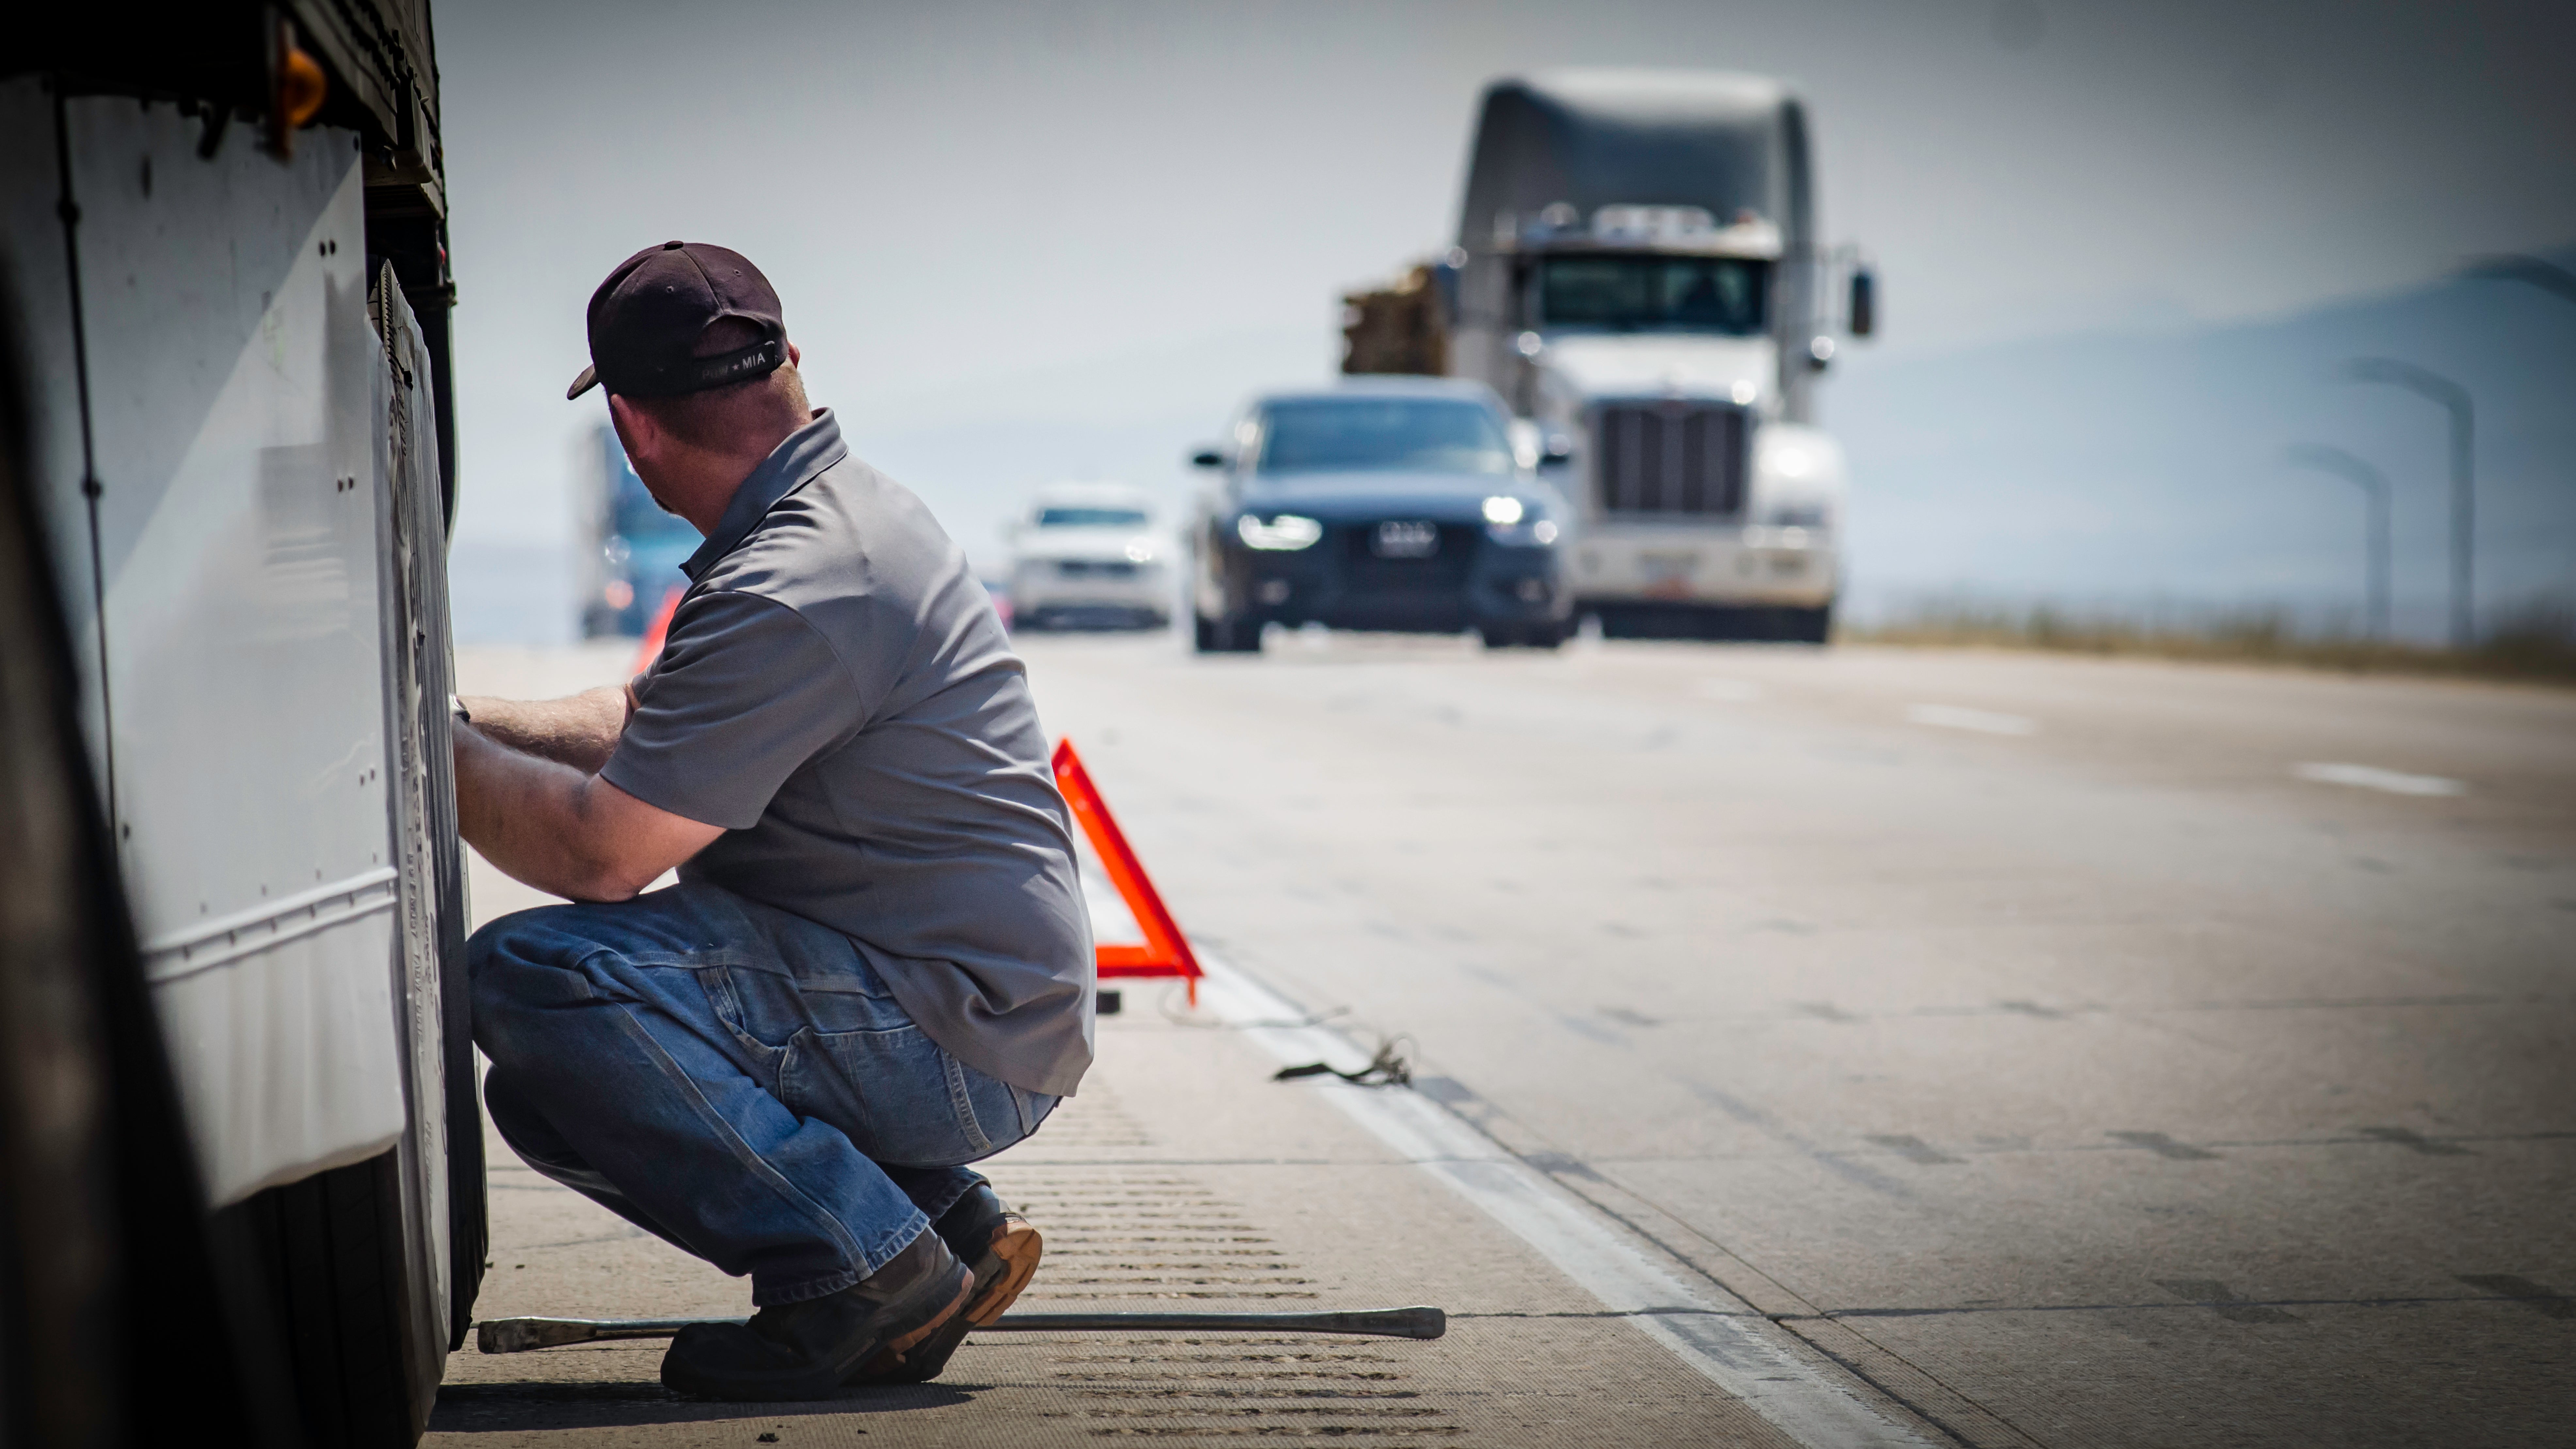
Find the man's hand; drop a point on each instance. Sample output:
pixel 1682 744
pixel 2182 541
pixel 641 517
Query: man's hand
pixel 560 828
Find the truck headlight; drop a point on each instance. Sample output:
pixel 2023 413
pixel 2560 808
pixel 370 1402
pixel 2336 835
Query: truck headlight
pixel 1499 510
pixel 1284 534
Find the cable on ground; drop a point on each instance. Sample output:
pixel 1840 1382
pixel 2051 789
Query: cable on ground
pixel 1388 1068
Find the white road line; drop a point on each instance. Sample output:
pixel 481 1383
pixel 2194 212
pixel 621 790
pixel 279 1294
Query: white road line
pixel 2370 777
pixel 1954 717
pixel 1719 1335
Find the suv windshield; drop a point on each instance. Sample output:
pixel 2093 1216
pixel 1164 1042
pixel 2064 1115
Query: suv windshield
pixel 1075 516
pixel 1349 435
pixel 1681 294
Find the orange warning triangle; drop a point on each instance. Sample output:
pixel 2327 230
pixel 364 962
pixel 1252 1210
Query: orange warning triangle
pixel 1166 951
pixel 657 631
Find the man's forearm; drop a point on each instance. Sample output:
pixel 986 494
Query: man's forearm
pixel 580 732
pixel 531 816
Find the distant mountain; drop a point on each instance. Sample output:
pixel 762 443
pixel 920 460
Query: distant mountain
pixel 2124 469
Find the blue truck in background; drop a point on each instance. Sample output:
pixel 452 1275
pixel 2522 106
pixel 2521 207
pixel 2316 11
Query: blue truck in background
pixel 633 564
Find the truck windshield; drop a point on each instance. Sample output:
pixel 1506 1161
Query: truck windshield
pixel 1414 435
pixel 1674 294
pixel 1060 515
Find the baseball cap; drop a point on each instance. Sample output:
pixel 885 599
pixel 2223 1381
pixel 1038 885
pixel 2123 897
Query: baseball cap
pixel 645 321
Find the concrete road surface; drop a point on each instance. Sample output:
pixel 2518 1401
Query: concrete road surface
pixel 2054 1051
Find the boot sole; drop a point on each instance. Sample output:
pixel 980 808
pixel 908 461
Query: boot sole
pixel 938 1321
pixel 919 1355
pixel 1019 1247
pixel 1015 1250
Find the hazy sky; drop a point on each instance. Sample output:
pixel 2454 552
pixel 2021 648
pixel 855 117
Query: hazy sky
pixel 998 226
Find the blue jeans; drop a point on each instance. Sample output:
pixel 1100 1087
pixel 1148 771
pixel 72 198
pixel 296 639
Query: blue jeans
pixel 732 1078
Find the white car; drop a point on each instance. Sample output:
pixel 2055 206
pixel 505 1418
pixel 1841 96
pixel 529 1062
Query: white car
pixel 1090 556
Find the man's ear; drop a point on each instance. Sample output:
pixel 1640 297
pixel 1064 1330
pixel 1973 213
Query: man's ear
pixel 636 429
pixel 794 357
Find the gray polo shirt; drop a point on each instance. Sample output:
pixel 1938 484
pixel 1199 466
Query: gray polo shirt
pixel 838 694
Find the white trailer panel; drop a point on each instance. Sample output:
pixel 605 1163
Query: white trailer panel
pixel 234 430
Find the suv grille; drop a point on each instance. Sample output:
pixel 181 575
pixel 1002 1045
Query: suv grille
pixel 1366 569
pixel 1671 457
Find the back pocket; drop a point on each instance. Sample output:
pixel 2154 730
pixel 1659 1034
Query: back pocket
pixel 892 1092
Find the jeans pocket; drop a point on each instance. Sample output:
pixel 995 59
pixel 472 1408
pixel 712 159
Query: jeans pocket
pixel 725 1000
pixel 894 1093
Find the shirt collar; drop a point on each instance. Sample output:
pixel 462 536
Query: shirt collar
pixel 807 451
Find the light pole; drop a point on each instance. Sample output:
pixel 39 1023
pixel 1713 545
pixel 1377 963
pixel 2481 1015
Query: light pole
pixel 2374 487
pixel 2463 490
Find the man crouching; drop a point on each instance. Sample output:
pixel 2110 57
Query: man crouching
pixel 876 967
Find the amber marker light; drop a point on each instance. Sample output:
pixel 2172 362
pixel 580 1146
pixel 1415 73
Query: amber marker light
pixel 300 87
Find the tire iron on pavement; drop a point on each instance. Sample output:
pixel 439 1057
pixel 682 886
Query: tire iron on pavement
pixel 517 1335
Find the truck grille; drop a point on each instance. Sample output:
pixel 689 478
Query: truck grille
pixel 1669 458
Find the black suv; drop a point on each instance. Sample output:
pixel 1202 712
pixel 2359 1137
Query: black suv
pixel 1383 503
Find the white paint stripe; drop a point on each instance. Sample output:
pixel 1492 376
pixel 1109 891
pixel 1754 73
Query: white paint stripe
pixel 1719 1335
pixel 2369 777
pixel 1954 717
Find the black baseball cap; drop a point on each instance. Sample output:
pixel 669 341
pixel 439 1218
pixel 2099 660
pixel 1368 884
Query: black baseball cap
pixel 645 321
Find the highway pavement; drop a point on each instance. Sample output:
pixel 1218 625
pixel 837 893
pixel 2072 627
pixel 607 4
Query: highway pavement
pixel 2049 1050
pixel 2095 1051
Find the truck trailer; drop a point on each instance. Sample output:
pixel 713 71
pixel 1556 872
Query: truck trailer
pixel 241 1169
pixel 1636 271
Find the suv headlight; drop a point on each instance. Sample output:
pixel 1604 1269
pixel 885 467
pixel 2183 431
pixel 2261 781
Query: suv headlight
pixel 1283 534
pixel 1524 525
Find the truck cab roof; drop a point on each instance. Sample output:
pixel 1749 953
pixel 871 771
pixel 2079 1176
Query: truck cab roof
pixel 1565 144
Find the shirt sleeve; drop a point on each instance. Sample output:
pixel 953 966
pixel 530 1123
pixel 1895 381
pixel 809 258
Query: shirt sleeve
pixel 745 692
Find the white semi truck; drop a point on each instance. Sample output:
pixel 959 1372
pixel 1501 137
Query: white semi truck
pixel 1637 273
pixel 241 1170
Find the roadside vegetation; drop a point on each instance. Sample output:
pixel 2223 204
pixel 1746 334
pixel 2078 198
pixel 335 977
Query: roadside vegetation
pixel 2534 641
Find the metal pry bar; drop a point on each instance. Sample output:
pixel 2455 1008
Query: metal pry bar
pixel 518 1335
pixel 1417 1322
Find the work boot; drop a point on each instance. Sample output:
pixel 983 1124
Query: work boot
pixel 808 1350
pixel 1003 1251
